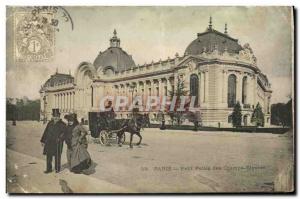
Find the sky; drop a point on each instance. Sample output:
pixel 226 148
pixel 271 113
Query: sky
pixel 153 33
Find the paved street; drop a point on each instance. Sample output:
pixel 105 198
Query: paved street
pixel 167 161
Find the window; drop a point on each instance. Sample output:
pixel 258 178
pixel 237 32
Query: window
pixel 194 86
pixel 231 95
pixel 244 90
pixel 229 118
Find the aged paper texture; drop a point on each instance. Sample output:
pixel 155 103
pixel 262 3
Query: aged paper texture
pixel 149 99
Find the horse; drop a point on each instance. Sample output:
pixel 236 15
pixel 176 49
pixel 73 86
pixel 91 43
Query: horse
pixel 132 126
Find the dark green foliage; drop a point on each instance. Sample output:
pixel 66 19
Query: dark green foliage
pixel 176 116
pixel 258 116
pixel 282 114
pixel 237 115
pixel 22 109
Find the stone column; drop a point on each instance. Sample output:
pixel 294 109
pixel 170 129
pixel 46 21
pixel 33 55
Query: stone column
pixel 54 100
pixel 201 87
pixel 175 81
pixel 147 89
pixel 126 89
pixel 225 87
pixel 143 93
pixel 56 97
pixel 74 97
pixel 138 88
pixel 206 86
pixel 169 87
pixel 55 103
pixel 152 88
pixel 160 88
pixel 72 105
pixel 65 102
pixel 71 101
pixel 59 101
pixel 254 89
pixel 239 83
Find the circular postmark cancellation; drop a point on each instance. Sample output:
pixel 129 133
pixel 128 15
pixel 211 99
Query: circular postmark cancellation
pixel 34 33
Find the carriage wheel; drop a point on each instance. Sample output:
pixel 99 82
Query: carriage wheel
pixel 103 137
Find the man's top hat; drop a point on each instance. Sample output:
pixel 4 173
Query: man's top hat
pixel 55 112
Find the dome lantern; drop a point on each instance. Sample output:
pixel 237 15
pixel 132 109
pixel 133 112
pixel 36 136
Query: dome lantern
pixel 115 41
pixel 210 24
pixel 114 57
pixel 207 40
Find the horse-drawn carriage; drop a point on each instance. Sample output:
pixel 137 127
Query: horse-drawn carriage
pixel 104 126
pixel 107 129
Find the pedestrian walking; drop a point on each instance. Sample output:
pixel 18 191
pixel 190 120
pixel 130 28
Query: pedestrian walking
pixel 52 141
pixel 77 155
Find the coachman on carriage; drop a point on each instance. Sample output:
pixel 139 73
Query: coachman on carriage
pixel 108 129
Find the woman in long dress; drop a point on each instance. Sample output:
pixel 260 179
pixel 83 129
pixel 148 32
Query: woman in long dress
pixel 77 155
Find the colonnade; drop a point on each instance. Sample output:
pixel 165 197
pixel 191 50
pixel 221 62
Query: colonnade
pixel 65 101
pixel 144 88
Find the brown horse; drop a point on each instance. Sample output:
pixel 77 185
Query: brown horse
pixel 132 126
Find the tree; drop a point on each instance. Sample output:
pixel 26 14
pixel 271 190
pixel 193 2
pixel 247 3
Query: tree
pixel 179 91
pixel 277 111
pixel 258 116
pixel 237 115
pixel 282 114
pixel 23 109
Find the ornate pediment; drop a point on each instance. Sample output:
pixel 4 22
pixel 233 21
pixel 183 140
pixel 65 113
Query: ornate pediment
pixel 190 63
pixel 247 54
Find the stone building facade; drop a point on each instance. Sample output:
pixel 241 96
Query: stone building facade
pixel 215 68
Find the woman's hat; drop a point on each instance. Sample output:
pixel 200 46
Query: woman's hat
pixel 71 117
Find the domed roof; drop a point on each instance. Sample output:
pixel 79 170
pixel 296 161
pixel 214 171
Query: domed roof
pixel 212 39
pixel 58 78
pixel 114 57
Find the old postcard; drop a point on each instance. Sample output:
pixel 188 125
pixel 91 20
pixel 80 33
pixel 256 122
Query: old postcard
pixel 149 99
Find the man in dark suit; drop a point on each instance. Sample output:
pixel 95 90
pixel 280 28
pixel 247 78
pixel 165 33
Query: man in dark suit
pixel 52 141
